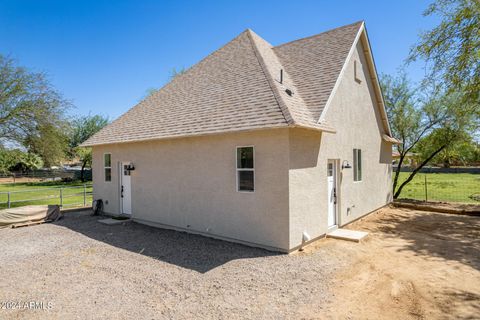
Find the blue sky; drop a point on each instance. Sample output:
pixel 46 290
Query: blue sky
pixel 104 55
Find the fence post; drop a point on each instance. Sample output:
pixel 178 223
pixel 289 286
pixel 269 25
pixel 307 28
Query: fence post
pixel 61 197
pixel 84 195
pixel 8 201
pixel 426 189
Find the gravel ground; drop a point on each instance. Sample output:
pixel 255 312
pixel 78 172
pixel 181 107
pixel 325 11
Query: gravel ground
pixel 413 265
pixel 89 270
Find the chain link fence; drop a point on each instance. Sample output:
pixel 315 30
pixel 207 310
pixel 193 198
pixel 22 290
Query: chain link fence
pixel 445 187
pixel 71 196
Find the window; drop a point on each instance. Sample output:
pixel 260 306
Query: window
pixel 107 164
pixel 357 66
pixel 357 165
pixel 330 170
pixel 245 169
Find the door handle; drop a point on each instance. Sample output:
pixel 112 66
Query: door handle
pixel 334 195
pixel 121 192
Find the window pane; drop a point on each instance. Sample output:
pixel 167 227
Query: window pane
pixel 357 165
pixel 359 159
pixel 354 164
pixel 108 174
pixel 245 158
pixel 245 181
pixel 108 160
pixel 330 170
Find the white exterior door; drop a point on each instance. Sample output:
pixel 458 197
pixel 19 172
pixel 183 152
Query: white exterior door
pixel 126 189
pixel 332 193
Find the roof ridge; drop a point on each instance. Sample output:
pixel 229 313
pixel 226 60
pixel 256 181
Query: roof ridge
pixel 281 103
pixel 320 34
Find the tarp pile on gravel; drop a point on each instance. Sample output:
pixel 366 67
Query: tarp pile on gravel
pixel 29 215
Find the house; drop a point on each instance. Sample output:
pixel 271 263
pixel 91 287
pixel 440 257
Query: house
pixel 270 146
pixel 410 159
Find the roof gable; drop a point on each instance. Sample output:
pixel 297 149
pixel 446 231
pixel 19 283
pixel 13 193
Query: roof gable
pixel 362 38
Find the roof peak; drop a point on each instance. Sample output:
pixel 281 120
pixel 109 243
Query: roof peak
pixel 359 23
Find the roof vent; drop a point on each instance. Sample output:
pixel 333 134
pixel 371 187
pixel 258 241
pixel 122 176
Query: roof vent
pixel 281 75
pixel 289 92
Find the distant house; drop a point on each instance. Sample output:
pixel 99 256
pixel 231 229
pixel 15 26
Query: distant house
pixel 410 159
pixel 265 145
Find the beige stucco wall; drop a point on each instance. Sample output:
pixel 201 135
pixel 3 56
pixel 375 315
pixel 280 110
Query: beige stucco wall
pixel 353 113
pixel 190 184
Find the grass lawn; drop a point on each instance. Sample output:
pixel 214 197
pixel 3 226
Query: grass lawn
pixel 29 193
pixel 453 187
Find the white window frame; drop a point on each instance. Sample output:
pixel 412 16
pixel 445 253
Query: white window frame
pixel 105 168
pixel 356 165
pixel 244 169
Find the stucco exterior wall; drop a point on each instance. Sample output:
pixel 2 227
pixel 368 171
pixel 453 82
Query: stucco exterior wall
pixel 190 184
pixel 353 113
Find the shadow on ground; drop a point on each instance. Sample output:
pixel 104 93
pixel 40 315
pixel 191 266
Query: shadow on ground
pixel 182 249
pixel 435 235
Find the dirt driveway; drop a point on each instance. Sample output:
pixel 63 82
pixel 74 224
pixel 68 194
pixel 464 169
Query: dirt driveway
pixel 414 265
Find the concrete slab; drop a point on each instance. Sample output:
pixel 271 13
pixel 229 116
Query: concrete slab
pixel 349 235
pixel 112 222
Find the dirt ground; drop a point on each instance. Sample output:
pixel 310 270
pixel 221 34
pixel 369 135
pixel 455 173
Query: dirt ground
pixel 19 180
pixel 414 265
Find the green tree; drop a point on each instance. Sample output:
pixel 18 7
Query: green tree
pixel 28 102
pixel 31 161
pixel 82 129
pixel 464 153
pixel 17 160
pixel 407 119
pixel 174 73
pixel 423 114
pixel 8 159
pixel 49 142
pixel 452 49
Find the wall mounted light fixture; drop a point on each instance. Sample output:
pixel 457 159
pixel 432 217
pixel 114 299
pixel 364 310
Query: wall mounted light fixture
pixel 346 165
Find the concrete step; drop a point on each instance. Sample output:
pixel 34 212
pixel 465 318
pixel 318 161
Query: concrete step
pixel 349 235
pixel 110 221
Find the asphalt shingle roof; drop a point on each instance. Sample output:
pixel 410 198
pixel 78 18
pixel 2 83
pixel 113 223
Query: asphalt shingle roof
pixel 314 63
pixel 237 88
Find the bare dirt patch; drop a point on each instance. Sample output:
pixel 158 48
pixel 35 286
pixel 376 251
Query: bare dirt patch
pixel 19 180
pixel 415 265
pixel 438 206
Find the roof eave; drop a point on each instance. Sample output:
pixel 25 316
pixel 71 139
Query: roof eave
pixel 319 127
pixel 87 144
pixel 390 139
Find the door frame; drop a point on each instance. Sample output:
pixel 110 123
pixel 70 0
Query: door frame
pixel 120 184
pixel 336 179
